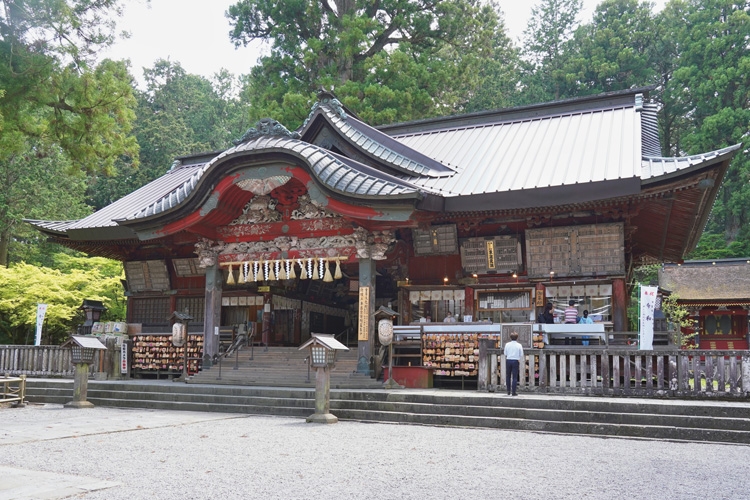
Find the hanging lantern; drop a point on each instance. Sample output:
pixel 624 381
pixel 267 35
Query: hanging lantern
pixel 337 274
pixel 327 276
pixel 302 271
pixel 242 277
pixel 230 276
pixel 290 270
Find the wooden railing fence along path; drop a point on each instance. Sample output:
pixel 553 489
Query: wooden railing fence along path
pixel 622 372
pixel 39 361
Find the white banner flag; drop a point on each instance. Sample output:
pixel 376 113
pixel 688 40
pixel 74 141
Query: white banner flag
pixel 648 304
pixel 41 310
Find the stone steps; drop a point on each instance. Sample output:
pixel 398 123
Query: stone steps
pixel 652 419
pixel 282 367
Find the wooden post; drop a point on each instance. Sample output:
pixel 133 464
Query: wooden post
pixel 265 333
pixel 619 305
pixel 365 335
pixel 483 368
pixel 468 302
pixel 493 373
pixel 212 314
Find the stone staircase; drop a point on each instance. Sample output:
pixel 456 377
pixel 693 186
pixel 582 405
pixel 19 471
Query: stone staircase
pixel 282 367
pixel 712 421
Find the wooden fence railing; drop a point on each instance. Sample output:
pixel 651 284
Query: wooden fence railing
pixel 622 372
pixel 39 361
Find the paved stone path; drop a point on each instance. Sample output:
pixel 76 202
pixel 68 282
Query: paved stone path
pixel 49 452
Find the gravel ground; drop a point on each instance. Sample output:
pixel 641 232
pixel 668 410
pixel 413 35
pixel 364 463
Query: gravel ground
pixel 165 455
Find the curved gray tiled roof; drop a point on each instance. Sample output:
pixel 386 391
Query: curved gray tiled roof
pixel 384 147
pixel 339 174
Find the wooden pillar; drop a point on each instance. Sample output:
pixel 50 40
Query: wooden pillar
pixel 298 326
pixel 365 338
pixel 619 305
pixel 468 303
pixel 266 327
pixel 212 314
pixel 483 368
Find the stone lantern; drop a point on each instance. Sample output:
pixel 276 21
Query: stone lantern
pixel 323 349
pixel 83 351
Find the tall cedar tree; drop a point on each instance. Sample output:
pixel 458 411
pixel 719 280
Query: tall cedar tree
pixel 389 60
pixel 546 48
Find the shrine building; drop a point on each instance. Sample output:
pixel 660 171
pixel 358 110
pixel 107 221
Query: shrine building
pixel 486 216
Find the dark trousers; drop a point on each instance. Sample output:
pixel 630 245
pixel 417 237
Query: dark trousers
pixel 511 375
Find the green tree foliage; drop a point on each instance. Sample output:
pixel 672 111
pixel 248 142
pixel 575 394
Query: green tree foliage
pixel 63 289
pixel 681 327
pixel 713 80
pixel 36 183
pixel 390 61
pixel 178 113
pixel 56 101
pixel 613 51
pixel 546 48
pixel 498 78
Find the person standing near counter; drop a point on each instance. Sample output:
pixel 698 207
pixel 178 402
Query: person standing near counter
pixel 547 316
pixel 585 320
pixel 571 313
pixel 449 318
pixel 513 356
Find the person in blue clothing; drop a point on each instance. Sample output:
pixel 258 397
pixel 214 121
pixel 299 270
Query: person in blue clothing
pixel 513 356
pixel 585 320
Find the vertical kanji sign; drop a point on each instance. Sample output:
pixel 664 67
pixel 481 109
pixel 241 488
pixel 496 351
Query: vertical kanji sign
pixel 41 310
pixel 648 304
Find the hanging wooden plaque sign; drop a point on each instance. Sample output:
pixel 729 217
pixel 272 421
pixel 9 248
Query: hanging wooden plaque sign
pixel 590 250
pixel 364 313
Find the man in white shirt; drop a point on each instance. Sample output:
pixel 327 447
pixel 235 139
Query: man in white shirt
pixel 513 356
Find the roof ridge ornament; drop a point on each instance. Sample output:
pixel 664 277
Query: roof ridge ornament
pixel 326 98
pixel 266 127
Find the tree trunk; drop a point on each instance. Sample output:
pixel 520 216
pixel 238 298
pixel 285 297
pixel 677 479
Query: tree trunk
pixel 4 242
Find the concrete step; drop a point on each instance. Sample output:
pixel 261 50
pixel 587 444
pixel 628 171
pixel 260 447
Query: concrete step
pixel 683 420
pixel 282 367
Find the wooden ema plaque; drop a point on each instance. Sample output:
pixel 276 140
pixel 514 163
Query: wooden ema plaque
pixel 591 250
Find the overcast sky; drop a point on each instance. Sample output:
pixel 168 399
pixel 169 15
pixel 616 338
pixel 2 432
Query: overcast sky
pixel 195 33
